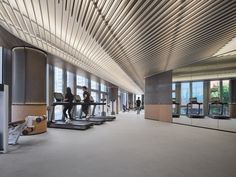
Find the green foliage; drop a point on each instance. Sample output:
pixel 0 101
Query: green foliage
pixel 225 95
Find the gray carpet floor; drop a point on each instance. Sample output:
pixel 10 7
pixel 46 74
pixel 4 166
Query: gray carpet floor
pixel 128 147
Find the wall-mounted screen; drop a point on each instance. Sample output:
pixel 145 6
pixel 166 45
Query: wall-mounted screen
pixel 1 69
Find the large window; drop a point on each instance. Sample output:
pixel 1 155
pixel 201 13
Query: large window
pixel 81 81
pixel 58 87
pixel 95 96
pixel 214 89
pixel 103 88
pixel 104 96
pixel 58 81
pixel 197 91
pixel 70 80
pixel 185 93
pixel 80 93
pixel 94 85
pixel 173 90
pixel 225 91
pixel 96 99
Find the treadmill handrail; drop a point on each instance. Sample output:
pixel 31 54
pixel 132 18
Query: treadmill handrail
pixel 54 104
pixel 217 103
pixel 192 103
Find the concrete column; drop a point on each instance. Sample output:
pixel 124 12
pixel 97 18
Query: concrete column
pixel 114 99
pixel 178 92
pixel 28 82
pixel 142 100
pixel 50 84
pixel 130 100
pixel 158 97
pixel 206 92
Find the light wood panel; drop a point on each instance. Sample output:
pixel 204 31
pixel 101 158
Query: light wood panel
pixel 159 112
pixel 232 109
pixel 20 112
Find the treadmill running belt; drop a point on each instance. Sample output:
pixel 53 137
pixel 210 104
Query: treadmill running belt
pixel 106 118
pixel 75 125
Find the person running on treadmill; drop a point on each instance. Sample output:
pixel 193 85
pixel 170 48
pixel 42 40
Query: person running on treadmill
pixel 69 97
pixel 138 104
pixel 85 106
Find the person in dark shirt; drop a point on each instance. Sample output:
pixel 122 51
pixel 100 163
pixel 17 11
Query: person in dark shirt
pixel 85 106
pixel 69 97
pixel 138 104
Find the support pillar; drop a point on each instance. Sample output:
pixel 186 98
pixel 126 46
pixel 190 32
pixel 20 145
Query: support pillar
pixel 114 99
pixel 28 83
pixel 158 97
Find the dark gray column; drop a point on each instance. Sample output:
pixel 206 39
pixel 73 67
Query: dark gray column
pixel 28 76
pixel 28 82
pixel 142 100
pixel 50 84
pixel 114 99
pixel 158 97
pixel 206 96
pixel 130 100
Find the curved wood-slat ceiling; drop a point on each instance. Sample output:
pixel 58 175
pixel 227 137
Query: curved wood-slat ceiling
pixel 123 41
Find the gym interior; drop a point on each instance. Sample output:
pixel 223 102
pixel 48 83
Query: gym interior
pixel 177 57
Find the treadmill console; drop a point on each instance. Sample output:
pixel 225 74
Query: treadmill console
pixel 215 100
pixel 193 100
pixel 91 99
pixel 77 98
pixel 174 101
pixel 58 96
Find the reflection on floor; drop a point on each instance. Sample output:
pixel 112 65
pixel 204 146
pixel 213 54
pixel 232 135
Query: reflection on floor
pixel 222 124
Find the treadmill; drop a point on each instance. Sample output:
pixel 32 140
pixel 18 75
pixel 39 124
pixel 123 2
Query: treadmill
pixel 215 102
pixel 103 116
pixel 74 125
pixel 190 110
pixel 93 120
pixel 175 111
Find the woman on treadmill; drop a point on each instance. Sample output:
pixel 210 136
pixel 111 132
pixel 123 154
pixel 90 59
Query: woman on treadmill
pixel 85 106
pixel 69 97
